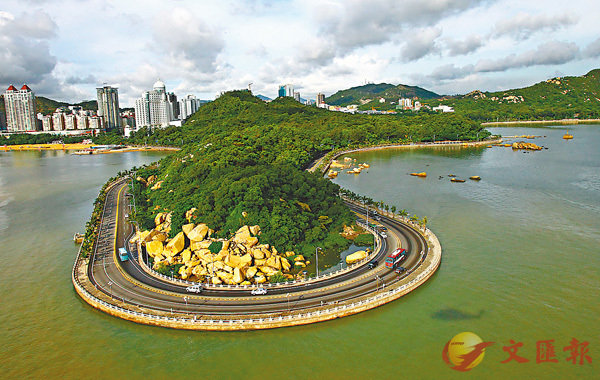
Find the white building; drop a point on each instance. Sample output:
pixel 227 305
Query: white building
pixel 20 109
pixel 58 121
pixel 405 103
pixel 188 106
pixel 82 120
pixel 46 122
pixel 443 108
pixel 94 122
pixel 156 108
pixel 70 123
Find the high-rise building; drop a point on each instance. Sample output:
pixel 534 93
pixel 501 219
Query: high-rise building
pixel 286 90
pixel 82 120
pixel 70 123
pixel 58 121
pixel 46 122
pixel 320 98
pixel 297 96
pixel 188 106
pixel 108 107
pixel 20 109
pixel 94 122
pixel 156 108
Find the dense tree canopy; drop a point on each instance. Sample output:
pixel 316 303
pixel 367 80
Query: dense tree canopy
pixel 242 162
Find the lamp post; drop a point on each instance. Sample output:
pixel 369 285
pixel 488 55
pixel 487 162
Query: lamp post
pixel 288 301
pixel 317 259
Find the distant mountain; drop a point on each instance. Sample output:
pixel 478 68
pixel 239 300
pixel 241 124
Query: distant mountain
pixel 372 92
pixel 264 98
pixel 561 97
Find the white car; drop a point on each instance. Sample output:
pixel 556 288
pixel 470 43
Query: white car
pixel 384 235
pixel 194 288
pixel 259 291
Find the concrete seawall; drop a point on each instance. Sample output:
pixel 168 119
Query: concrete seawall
pixel 140 314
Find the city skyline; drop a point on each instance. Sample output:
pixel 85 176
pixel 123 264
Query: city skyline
pixel 447 47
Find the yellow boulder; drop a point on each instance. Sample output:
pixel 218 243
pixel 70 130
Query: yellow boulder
pixel 251 272
pixel 259 262
pixel 199 245
pixel 160 236
pixel 242 235
pixel 245 260
pixel 186 228
pixel 176 244
pixel 232 260
pixel 254 230
pixel 355 257
pixel 160 218
pixel 186 255
pixel 285 264
pixel 268 270
pixel 251 241
pixel 260 279
pixel 299 258
pixel 238 275
pixel 198 233
pixel 154 248
pixel 300 264
pixel 274 262
pixel 258 254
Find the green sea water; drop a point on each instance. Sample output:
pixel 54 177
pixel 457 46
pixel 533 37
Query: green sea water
pixel 520 261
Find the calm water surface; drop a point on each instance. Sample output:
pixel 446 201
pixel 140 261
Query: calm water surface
pixel 520 261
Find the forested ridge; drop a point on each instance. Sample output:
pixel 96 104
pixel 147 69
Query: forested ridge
pixel 556 98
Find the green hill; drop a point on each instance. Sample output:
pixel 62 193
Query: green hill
pixel 361 95
pixel 556 98
pixel 242 156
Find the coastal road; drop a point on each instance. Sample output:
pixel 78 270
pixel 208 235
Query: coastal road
pixel 129 283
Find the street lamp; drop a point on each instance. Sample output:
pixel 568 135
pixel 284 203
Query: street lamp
pixel 317 259
pixel 288 301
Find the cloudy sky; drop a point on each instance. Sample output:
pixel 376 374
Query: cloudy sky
pixel 64 49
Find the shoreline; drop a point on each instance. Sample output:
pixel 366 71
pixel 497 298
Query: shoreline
pixel 78 146
pixel 324 169
pixel 540 122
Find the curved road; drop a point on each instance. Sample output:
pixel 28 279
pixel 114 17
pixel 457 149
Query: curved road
pixel 127 282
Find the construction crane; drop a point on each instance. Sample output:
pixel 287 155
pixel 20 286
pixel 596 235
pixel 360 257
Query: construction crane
pixel 250 87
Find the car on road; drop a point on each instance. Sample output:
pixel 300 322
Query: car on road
pixel 383 235
pixel 194 288
pixel 400 270
pixel 259 291
pixel 372 264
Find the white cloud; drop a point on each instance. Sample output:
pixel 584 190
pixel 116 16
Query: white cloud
pixel 24 49
pixel 523 25
pixel 66 48
pixel 420 44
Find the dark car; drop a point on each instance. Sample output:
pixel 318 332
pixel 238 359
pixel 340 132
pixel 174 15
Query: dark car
pixel 372 264
pixel 400 270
